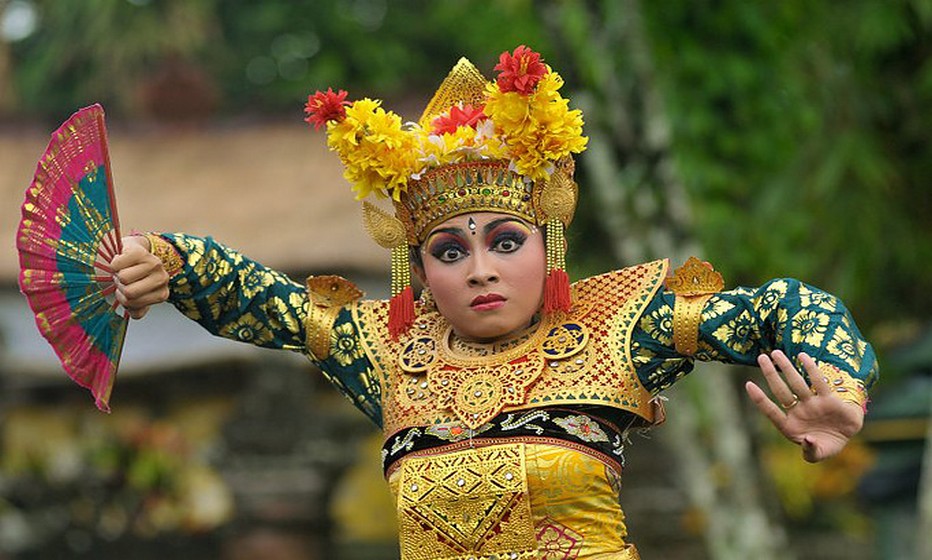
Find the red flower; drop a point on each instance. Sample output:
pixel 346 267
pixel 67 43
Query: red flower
pixel 325 106
pixel 459 116
pixel 520 71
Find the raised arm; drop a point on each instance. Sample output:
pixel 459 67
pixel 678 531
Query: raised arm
pixel 784 327
pixel 226 293
pixel 237 298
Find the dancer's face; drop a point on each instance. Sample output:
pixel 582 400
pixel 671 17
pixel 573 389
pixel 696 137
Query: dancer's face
pixel 486 272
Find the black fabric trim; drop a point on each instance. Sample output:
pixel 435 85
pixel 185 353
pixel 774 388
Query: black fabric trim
pixel 601 430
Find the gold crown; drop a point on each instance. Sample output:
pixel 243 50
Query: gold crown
pixel 478 146
pixel 478 186
pixel 504 146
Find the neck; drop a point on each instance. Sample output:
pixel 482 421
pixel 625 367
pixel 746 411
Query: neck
pixel 458 338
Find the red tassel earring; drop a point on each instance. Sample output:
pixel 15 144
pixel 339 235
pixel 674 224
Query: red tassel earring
pixel 557 285
pixel 401 305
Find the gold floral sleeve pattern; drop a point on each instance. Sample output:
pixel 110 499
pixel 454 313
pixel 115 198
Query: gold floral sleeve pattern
pixel 236 298
pixel 738 325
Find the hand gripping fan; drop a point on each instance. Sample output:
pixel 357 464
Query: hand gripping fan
pixel 68 235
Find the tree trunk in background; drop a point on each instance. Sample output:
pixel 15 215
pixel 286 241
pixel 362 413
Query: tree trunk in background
pixel 643 206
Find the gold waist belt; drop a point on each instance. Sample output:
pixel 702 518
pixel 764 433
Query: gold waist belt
pixel 480 503
pixel 470 503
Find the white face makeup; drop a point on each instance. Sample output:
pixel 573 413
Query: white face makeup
pixel 486 272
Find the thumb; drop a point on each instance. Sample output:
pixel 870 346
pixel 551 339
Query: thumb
pixel 811 451
pixel 131 241
pixel 808 449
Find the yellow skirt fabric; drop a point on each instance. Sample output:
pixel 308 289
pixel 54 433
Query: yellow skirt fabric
pixel 509 501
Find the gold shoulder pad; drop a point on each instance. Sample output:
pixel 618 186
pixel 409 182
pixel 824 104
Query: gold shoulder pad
pixel 693 283
pixel 327 294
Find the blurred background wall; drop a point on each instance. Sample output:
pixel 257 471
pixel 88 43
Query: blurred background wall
pixel 772 139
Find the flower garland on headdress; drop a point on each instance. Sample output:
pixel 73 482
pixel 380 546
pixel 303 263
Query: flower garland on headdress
pixel 520 118
pixel 525 121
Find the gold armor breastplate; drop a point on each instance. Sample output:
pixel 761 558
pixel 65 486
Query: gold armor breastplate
pixel 581 357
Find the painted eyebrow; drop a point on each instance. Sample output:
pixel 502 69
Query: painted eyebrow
pixel 485 229
pixel 456 232
pixel 495 223
pixel 451 231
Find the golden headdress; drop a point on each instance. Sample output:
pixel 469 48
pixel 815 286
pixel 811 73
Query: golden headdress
pixel 502 146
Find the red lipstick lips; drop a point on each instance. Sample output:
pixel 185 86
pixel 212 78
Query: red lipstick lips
pixel 487 302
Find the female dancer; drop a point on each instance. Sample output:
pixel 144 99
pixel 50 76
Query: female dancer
pixel 504 392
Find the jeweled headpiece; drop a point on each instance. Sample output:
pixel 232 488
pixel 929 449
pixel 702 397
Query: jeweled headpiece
pixel 502 146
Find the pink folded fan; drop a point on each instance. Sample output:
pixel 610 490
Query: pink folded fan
pixel 68 235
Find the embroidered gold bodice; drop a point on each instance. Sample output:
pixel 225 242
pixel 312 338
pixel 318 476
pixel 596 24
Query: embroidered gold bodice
pixel 581 357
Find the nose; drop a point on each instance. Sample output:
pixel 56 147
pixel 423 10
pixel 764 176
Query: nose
pixel 482 270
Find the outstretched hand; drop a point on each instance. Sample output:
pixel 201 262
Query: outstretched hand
pixel 140 278
pixel 816 419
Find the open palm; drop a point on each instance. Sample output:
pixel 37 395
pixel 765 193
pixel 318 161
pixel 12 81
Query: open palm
pixel 815 418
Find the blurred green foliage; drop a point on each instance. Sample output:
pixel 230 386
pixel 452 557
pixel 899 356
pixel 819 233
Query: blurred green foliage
pixel 102 50
pixel 798 129
pixel 262 56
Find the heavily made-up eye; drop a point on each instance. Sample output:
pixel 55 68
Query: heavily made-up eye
pixel 508 241
pixel 447 251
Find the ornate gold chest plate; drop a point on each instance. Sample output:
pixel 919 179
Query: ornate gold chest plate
pixel 581 357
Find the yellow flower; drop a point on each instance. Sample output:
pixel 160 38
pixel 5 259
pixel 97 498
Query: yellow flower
pixel 446 148
pixel 208 270
pixel 845 347
pixel 377 153
pixel 816 298
pixel 509 111
pixel 247 328
pixel 716 307
pixel 254 280
pixel 531 131
pixel 281 314
pixel 659 325
pixel 537 129
pixel 740 333
pixel 557 541
pixel 772 296
pixel 344 345
pixel 809 327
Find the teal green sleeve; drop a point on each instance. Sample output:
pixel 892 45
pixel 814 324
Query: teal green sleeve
pixel 738 325
pixel 234 297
